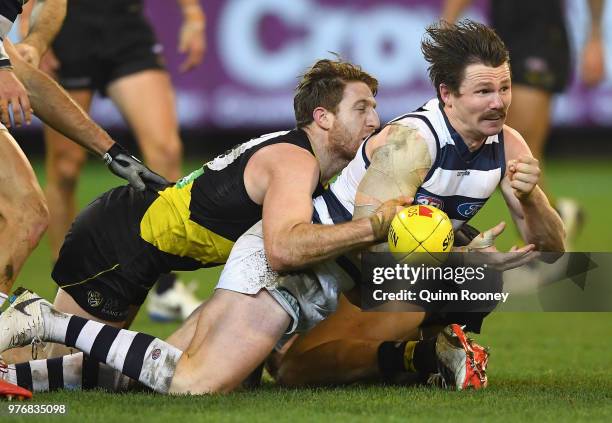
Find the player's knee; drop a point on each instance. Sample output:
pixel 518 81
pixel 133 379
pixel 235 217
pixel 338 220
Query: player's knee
pixel 36 218
pixel 26 219
pixel 166 149
pixel 64 169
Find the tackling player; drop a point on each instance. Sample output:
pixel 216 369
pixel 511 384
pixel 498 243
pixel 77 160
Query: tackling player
pixel 108 262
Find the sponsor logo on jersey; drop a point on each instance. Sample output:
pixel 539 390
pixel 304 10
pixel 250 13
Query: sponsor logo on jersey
pixel 469 209
pixel 463 172
pixel 427 200
pixel 94 298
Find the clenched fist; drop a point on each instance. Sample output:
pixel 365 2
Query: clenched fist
pixel 524 176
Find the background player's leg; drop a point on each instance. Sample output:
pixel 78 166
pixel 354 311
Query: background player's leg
pixel 64 161
pixel 23 212
pixel 529 114
pixel 344 347
pixel 234 334
pixel 146 100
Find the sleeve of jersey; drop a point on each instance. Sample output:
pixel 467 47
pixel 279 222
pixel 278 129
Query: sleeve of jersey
pixel 9 9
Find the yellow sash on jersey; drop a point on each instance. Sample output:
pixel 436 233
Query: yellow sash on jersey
pixel 167 226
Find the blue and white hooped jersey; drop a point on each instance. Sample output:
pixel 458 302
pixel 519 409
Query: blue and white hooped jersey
pixel 459 182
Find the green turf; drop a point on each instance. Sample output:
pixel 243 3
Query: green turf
pixel 544 366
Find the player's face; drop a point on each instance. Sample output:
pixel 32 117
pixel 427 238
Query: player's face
pixel 484 97
pixel 355 119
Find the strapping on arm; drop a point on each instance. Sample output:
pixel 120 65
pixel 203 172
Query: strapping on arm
pixel 397 168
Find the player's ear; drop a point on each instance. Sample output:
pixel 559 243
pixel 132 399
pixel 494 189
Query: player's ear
pixel 445 95
pixel 323 118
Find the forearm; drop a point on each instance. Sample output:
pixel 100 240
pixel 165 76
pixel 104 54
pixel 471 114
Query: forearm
pixel 54 107
pixel 192 11
pixel 596 8
pixel 46 25
pixel 306 243
pixel 453 9
pixel 543 226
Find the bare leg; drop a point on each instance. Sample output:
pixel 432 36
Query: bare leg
pixel 146 100
pixel 64 162
pixel 235 333
pixel 23 212
pixel 529 114
pixel 344 347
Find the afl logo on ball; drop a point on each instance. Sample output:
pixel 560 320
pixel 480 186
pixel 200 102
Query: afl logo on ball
pixel 94 298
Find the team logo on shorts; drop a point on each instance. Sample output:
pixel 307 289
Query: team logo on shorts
pixel 94 298
pixel 155 353
pixel 426 200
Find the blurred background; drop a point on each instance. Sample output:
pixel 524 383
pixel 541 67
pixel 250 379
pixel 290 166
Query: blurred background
pixel 257 48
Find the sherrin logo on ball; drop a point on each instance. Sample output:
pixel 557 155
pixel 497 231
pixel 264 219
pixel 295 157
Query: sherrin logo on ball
pixel 421 229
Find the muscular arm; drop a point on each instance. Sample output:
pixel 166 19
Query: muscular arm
pixel 52 105
pixel 291 241
pixel 46 25
pixel 537 221
pixel 453 9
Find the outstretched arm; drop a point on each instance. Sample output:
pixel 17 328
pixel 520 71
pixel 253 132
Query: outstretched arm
pixel 291 241
pixel 53 105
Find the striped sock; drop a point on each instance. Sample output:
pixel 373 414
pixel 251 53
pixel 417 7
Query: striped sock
pixel 71 372
pixel 137 355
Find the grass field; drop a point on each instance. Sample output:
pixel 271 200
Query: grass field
pixel 544 366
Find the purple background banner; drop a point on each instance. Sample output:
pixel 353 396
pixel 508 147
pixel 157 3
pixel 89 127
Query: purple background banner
pixel 257 48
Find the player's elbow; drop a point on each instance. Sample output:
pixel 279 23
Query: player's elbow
pixel 280 259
